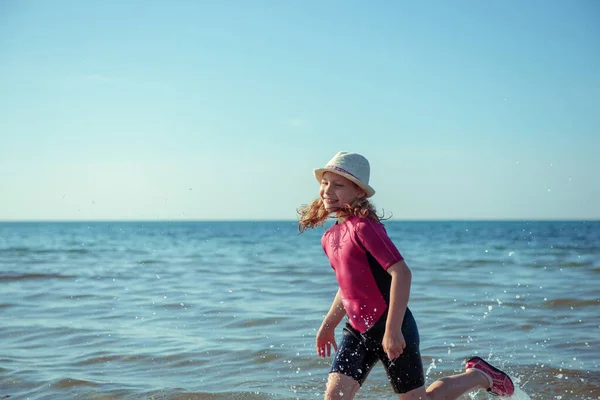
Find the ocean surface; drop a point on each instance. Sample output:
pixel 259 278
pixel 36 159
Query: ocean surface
pixel 229 310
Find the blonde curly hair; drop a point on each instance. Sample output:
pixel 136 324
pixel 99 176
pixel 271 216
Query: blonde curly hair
pixel 314 214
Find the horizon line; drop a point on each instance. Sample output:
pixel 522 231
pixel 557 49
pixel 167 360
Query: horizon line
pixel 3 221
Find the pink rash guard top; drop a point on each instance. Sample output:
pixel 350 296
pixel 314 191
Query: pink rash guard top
pixel 360 252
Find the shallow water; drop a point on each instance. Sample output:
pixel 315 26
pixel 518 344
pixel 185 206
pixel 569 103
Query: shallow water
pixel 229 310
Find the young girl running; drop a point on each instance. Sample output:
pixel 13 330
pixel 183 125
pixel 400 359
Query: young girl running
pixel 374 286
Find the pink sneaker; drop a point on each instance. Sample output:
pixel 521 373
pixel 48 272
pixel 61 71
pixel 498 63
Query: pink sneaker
pixel 500 383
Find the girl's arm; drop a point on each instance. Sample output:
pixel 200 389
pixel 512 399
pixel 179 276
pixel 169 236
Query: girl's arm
pixel 326 334
pixel 393 340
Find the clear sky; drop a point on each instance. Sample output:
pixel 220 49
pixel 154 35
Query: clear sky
pixel 145 110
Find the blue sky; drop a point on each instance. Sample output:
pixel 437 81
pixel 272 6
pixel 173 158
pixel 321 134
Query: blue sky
pixel 144 110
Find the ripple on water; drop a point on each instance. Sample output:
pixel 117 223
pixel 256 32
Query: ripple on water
pixel 22 277
pixel 570 303
pixel 545 381
pixel 182 394
pixel 105 359
pixel 66 383
pixel 256 322
pixel 26 251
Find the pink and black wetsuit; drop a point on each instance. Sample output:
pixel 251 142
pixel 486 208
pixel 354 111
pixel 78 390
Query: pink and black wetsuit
pixel 360 251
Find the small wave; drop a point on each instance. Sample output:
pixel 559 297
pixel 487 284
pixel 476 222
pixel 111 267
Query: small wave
pixel 265 357
pixel 176 306
pixel 100 360
pixel 141 359
pixel 15 250
pixel 562 303
pixel 575 264
pixel 526 327
pixel 77 251
pixel 481 261
pixel 21 277
pixel 70 382
pixel 181 394
pixel 22 251
pixel 143 262
pixel 107 359
pixel 270 321
pixel 586 248
pixel 78 297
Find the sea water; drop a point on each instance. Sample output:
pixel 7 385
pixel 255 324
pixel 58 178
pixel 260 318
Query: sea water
pixel 229 310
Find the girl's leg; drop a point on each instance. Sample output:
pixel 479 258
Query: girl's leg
pixel 449 388
pixel 340 387
pixel 350 367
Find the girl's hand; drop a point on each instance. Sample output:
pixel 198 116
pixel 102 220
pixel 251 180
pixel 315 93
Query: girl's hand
pixel 393 343
pixel 325 339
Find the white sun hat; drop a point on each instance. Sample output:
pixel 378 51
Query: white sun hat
pixel 352 166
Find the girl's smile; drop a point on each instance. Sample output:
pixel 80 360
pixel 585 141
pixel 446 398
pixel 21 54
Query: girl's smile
pixel 336 191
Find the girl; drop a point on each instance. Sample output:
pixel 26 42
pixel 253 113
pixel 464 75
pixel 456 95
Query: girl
pixel 374 286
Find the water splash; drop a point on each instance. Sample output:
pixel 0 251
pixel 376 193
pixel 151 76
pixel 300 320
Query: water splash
pixel 431 366
pixel 519 395
pixel 483 395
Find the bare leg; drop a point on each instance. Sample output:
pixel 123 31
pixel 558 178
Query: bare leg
pixel 340 387
pixel 449 388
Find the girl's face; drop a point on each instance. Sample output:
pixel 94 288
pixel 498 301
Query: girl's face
pixel 336 191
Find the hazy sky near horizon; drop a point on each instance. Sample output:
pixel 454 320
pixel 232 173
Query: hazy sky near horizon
pixel 151 110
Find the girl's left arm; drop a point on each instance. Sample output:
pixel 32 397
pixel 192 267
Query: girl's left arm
pixel 393 340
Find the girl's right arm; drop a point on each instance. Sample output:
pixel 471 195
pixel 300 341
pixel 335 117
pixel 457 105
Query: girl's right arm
pixel 326 334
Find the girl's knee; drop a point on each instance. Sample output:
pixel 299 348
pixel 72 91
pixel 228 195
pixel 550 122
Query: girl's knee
pixel 340 387
pixel 334 392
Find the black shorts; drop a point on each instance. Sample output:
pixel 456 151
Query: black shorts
pixel 359 352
